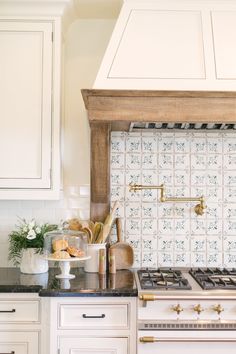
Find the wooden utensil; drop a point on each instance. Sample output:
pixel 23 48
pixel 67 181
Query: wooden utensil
pixel 124 253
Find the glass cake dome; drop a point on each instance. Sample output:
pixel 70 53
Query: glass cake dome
pixel 65 245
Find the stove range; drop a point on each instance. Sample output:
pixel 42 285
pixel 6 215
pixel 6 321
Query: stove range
pixel 215 278
pixel 162 278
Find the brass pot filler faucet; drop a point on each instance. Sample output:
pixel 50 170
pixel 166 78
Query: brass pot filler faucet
pixel 199 208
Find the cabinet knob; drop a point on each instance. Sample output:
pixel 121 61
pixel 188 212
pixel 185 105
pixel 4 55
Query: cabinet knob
pixel 218 308
pixel 178 309
pixel 198 308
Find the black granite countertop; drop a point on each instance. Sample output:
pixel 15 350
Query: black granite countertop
pixel 84 284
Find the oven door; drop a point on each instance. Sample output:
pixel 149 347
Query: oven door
pixel 186 342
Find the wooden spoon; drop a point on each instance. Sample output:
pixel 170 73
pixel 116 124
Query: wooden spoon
pixel 124 254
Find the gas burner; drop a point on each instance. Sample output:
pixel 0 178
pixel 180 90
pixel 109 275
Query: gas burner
pixel 215 278
pixel 162 278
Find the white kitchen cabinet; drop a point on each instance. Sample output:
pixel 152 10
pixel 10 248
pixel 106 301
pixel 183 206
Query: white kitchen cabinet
pixel 19 343
pixel 93 345
pixel 93 325
pixel 30 95
pixel 172 45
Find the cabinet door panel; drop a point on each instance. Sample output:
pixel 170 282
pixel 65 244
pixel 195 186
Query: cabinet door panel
pixel 224 30
pixel 87 345
pixel 25 109
pixel 19 342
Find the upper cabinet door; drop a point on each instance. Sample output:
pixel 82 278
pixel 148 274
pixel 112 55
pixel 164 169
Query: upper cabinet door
pixel 25 104
pixel 172 45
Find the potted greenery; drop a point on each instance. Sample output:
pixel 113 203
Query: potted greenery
pixel 26 246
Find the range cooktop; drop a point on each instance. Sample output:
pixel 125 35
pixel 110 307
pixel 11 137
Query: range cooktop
pixel 215 278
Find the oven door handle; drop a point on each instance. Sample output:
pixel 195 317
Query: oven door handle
pixel 149 339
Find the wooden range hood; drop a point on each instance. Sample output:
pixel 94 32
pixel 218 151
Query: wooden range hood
pixel 110 110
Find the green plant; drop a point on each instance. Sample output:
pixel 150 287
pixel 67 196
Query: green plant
pixel 27 235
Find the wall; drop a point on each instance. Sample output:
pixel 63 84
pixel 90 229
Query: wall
pixel 189 164
pixel 85 44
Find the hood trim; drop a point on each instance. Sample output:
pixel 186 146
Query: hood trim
pixel 126 106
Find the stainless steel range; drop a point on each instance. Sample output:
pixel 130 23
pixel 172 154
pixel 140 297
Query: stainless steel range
pixel 187 311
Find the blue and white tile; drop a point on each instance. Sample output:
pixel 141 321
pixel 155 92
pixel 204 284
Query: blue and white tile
pixel 214 145
pixel 149 259
pixel 137 259
pixel 181 145
pixel 166 144
pixel 149 144
pixel 180 192
pixel 213 194
pixel 229 194
pixel 229 259
pixel 213 178
pixel 214 211
pixel 120 212
pixel 133 161
pixel 133 227
pixel 149 210
pixel 133 177
pixel 229 161
pixel 182 161
pixel 166 210
pixel 166 226
pixel 166 178
pixel 182 178
pixel 117 161
pixel 133 144
pixel 214 226
pixel 149 161
pixel 117 193
pixel 198 226
pixel 198 244
pixel 165 244
pixel 182 259
pixel 182 210
pixel 214 162
pixel 198 145
pixel 198 178
pixel 198 162
pixel 166 161
pixel 181 244
pixel 214 244
pixel 182 226
pixel 229 146
pixel 198 259
pixel 230 227
pixel 134 241
pixel 117 177
pixel 117 144
pixel 132 196
pixel 214 260
pixel 230 178
pixel 229 244
pixel 198 191
pixel 229 210
pixel 149 243
pixel 149 226
pixel 165 259
pixel 149 195
pixel 149 177
pixel 133 210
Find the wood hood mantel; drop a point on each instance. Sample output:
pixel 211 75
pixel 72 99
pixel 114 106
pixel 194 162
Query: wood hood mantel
pixel 115 109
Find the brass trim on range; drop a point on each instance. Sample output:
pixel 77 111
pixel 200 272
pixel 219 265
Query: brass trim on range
pixel 150 339
pixel 148 297
pixel 199 208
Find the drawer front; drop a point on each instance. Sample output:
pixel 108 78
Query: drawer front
pixel 19 311
pixel 81 316
pixel 19 343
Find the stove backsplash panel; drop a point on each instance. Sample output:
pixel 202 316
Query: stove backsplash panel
pixel 189 164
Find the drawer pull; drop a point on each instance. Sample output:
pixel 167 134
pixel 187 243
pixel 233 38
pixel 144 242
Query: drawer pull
pixel 12 352
pixel 8 311
pixel 86 316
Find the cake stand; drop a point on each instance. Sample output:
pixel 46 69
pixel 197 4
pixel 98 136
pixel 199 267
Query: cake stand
pixel 64 265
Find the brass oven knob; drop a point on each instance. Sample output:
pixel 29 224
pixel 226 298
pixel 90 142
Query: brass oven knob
pixel 198 308
pixel 218 308
pixel 178 309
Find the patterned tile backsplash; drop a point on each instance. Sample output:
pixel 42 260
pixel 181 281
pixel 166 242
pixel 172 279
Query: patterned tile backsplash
pixel 189 164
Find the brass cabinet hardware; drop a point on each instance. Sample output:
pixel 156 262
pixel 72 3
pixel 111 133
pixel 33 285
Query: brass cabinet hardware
pixel 148 297
pixel 147 339
pixel 178 309
pixel 198 308
pixel 218 308
pixel 199 208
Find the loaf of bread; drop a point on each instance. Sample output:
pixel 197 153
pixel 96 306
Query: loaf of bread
pixel 75 252
pixel 59 245
pixel 60 255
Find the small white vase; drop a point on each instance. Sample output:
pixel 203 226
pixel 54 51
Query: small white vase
pixel 33 262
pixel 92 264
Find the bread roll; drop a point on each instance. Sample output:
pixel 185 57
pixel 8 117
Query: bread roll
pixel 60 255
pixel 59 245
pixel 75 252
